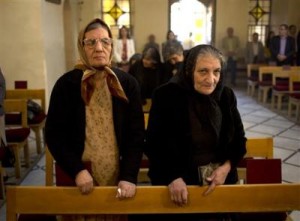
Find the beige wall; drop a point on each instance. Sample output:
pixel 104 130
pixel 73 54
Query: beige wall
pixel 287 13
pixel 232 13
pixel 31 42
pixel 150 17
pixel 21 43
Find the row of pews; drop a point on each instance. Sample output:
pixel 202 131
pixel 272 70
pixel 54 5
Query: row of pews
pixel 18 128
pixel 277 83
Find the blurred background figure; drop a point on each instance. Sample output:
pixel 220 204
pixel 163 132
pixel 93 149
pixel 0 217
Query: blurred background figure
pixel 170 40
pixel 148 72
pixel 124 48
pixel 174 62
pixel 293 33
pixel 231 45
pixel 255 51
pixel 269 38
pixel 283 47
pixel 151 43
pixel 188 43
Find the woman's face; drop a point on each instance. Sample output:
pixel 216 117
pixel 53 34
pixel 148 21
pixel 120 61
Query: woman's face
pixel 98 54
pixel 124 32
pixel 206 74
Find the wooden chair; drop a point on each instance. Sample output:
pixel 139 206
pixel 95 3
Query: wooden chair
pixel 280 87
pixel 37 124
pixel 294 95
pixel 252 77
pixel 17 137
pixel 265 81
pixel 256 148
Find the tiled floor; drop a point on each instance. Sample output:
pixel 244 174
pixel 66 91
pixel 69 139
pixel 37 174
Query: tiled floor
pixel 259 121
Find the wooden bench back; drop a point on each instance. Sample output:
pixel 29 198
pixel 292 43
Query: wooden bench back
pixel 34 94
pixel 294 77
pixel 252 67
pixel 256 147
pixel 150 200
pixel 275 69
pixel 19 106
pixel 260 147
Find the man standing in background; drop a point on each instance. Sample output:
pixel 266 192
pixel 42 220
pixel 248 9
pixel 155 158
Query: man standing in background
pixel 283 47
pixel 230 46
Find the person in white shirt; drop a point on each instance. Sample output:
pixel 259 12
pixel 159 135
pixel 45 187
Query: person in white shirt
pixel 124 48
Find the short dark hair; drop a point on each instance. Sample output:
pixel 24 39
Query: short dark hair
pixel 174 48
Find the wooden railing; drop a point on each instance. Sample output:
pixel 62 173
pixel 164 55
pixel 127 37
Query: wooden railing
pixel 151 200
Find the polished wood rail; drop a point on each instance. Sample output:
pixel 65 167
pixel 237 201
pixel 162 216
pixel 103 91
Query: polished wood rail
pixel 150 200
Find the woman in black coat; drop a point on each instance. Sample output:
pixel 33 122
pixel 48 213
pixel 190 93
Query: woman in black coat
pixel 195 134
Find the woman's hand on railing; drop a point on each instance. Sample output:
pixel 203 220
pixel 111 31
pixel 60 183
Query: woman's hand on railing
pixel 125 189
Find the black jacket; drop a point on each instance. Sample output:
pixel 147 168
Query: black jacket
pixel 65 125
pixel 289 50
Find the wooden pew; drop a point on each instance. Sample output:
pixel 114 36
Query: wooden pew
pixel 151 200
pixel 17 137
pixel 252 79
pixel 265 86
pixel 256 147
pixel 34 94
pixel 279 90
pixel 294 99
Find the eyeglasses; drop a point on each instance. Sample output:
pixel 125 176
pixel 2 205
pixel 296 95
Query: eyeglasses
pixel 91 43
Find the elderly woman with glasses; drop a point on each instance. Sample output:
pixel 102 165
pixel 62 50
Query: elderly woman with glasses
pixel 95 115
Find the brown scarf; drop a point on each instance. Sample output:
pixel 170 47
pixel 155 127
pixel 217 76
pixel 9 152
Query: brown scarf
pixel 88 82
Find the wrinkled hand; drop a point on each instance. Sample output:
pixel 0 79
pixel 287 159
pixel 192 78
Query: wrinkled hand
pixel 217 177
pixel 84 181
pixel 125 190
pixel 178 192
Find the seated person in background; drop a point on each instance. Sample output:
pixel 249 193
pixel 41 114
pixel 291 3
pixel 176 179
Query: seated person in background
pixel 195 134
pixel 148 72
pixel 174 62
pixel 134 58
pixel 255 51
